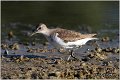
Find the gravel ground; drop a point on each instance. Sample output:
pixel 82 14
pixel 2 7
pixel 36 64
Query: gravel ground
pixel 31 60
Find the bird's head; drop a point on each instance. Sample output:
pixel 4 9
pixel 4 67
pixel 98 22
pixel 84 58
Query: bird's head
pixel 40 28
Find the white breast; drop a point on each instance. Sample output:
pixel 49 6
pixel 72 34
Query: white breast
pixel 56 41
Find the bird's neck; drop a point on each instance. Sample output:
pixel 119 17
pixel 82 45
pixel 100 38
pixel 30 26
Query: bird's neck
pixel 46 32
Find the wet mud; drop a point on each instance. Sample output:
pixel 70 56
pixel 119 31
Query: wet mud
pixel 32 59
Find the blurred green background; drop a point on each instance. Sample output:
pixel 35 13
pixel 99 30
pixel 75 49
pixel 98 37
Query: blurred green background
pixel 67 13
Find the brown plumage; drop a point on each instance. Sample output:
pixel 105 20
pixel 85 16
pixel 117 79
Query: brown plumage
pixel 68 35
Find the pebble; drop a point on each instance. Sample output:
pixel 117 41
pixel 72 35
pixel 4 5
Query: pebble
pixel 33 43
pixel 52 74
pixel 45 43
pixel 14 46
pixel 101 56
pixel 115 50
pixel 30 50
pixel 10 35
pixel 61 50
pixel 109 49
pixel 58 74
pixel 4 46
pixel 105 63
pixel 83 64
pixel 85 59
pixel 98 49
pixel 21 57
pixel 105 39
pixel 88 49
pixel 6 53
pixel 91 55
pixel 26 43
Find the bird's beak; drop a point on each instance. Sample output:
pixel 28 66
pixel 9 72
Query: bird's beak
pixel 33 33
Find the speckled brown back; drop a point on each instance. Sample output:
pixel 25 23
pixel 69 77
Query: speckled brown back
pixel 68 35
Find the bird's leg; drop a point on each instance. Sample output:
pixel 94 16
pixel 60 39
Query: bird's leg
pixel 68 58
pixel 71 55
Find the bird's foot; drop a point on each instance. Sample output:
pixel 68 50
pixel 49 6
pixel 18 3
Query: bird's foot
pixel 72 55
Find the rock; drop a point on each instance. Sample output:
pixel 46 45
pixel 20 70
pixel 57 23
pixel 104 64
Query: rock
pixel 109 49
pixel 15 46
pixel 82 75
pixel 30 50
pixel 46 43
pixel 4 46
pixel 58 74
pixel 6 53
pixel 52 74
pixel 34 75
pixel 105 39
pixel 91 55
pixel 115 50
pixel 105 63
pixel 83 64
pixel 21 57
pixel 61 50
pixel 101 56
pixel 10 35
pixel 33 43
pixel 98 49
pixel 86 59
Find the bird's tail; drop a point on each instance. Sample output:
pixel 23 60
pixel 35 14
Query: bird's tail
pixel 91 35
pixel 94 38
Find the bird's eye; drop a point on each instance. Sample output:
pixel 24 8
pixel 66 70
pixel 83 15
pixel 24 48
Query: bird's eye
pixel 38 28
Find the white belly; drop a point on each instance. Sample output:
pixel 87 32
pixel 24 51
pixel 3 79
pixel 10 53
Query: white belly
pixel 79 42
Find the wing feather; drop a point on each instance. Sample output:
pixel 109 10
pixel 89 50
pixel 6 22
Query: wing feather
pixel 69 35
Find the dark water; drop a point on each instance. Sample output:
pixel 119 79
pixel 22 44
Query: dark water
pixel 20 17
pixel 63 13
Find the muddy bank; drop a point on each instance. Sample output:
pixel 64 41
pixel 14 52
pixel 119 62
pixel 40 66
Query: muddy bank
pixel 36 59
